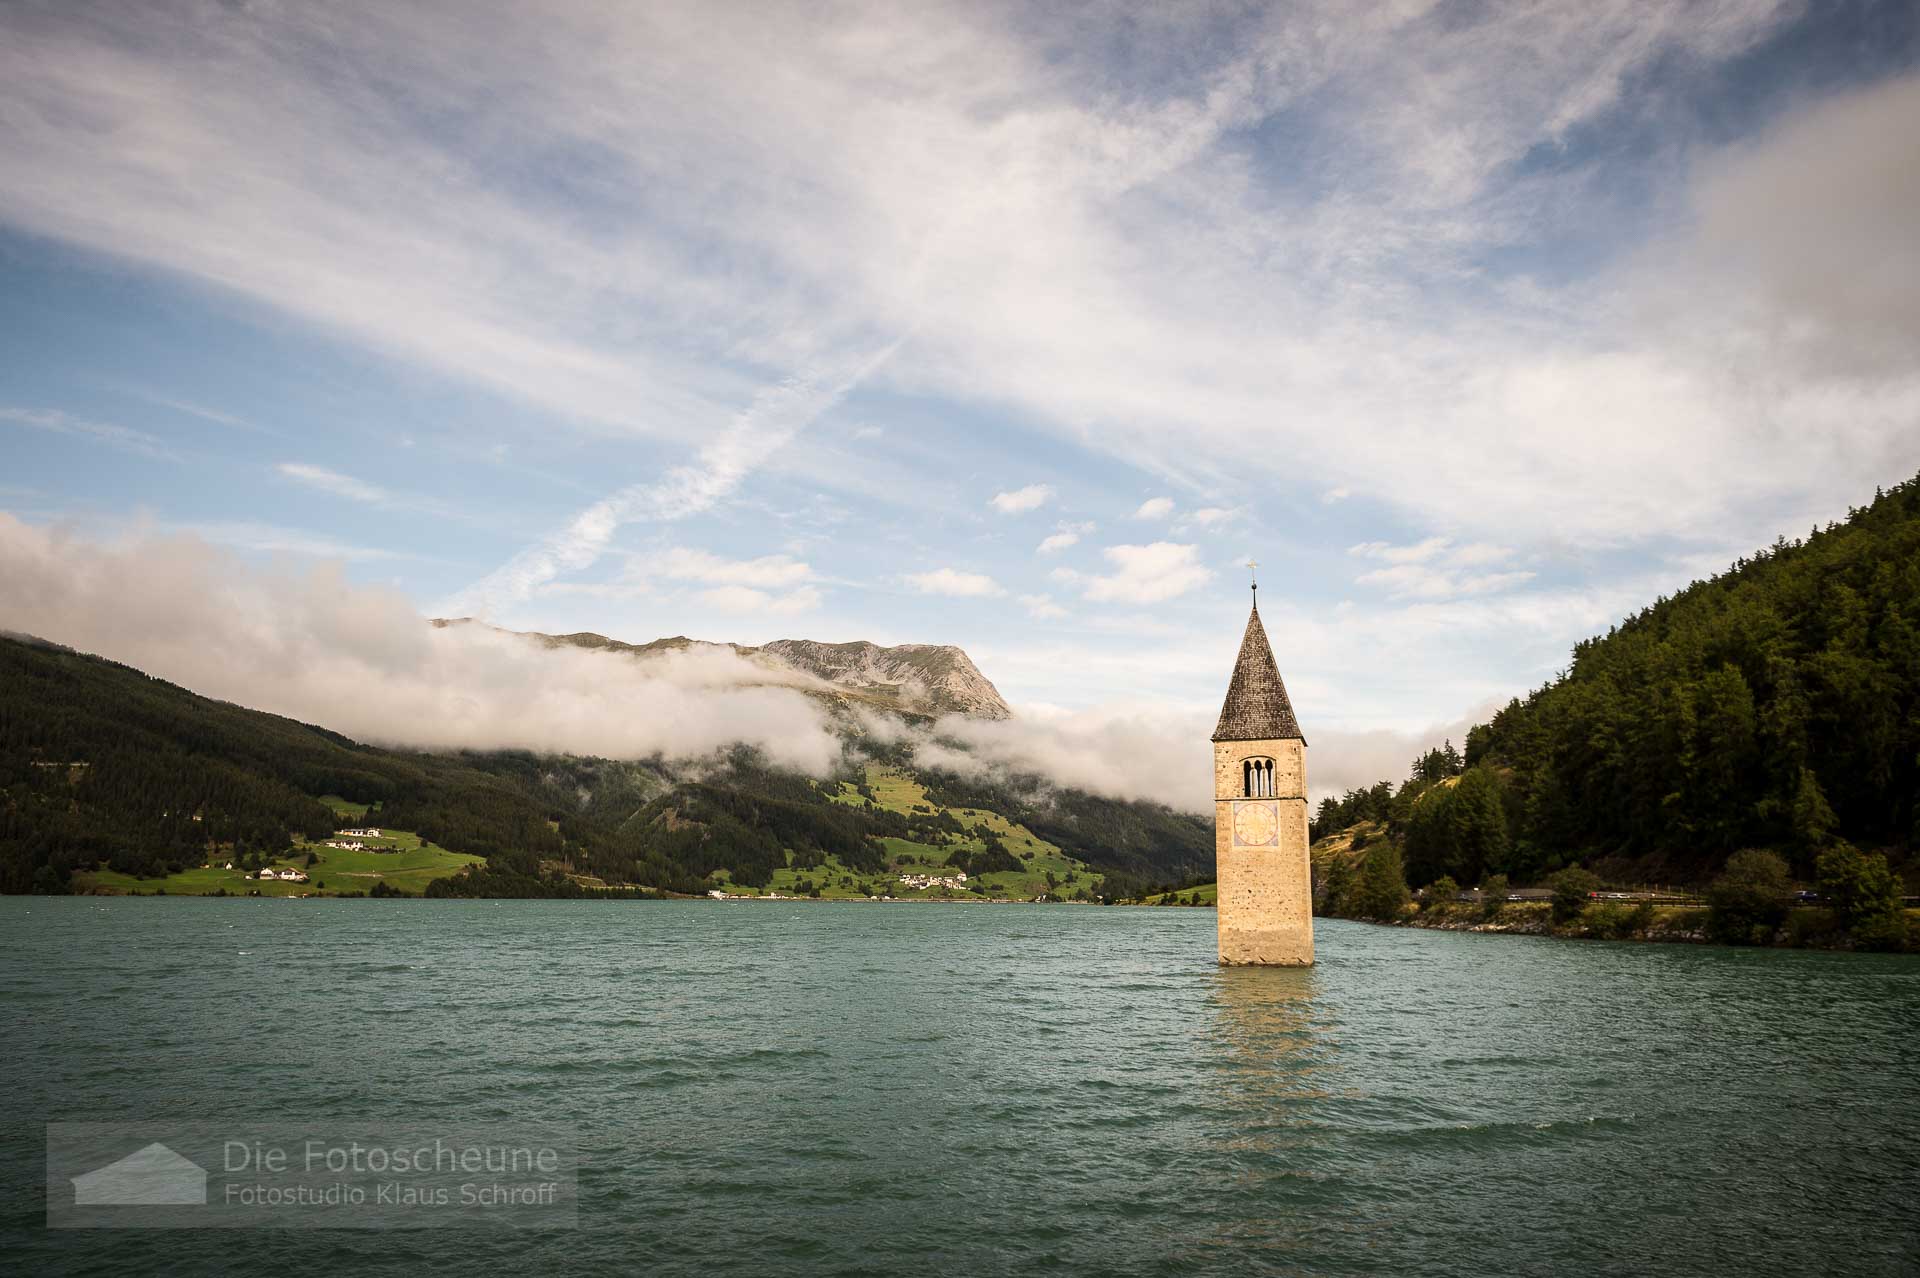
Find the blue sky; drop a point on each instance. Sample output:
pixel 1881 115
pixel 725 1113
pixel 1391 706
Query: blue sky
pixel 1017 327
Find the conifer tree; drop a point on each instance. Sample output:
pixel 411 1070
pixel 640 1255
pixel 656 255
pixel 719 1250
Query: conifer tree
pixel 1382 889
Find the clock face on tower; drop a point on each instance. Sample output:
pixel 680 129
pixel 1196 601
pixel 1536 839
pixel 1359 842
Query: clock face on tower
pixel 1255 824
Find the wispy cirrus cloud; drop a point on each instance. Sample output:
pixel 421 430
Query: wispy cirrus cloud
pixel 56 422
pixel 1122 267
pixel 335 484
pixel 776 415
pixel 217 416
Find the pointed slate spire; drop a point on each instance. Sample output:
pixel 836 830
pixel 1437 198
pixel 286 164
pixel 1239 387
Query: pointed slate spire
pixel 1257 708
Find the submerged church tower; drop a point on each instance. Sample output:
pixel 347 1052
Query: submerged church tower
pixel 1260 814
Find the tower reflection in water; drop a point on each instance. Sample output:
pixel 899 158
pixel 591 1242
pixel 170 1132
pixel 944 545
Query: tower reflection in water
pixel 1276 1039
pixel 1285 1178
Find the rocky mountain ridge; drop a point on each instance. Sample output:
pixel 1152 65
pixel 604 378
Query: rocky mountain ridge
pixel 908 678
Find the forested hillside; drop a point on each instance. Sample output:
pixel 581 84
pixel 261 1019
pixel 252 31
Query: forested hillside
pixel 1776 705
pixel 102 767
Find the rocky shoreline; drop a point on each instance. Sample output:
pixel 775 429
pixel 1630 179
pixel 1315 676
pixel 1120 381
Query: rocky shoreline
pixel 1804 929
pixel 1670 924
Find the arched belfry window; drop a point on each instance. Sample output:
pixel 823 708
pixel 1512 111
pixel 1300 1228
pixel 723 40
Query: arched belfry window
pixel 1256 778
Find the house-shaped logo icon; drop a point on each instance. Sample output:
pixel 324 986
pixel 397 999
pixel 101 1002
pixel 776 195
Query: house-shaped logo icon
pixel 151 1177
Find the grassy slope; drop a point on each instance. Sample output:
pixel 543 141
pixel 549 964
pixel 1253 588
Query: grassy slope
pixel 408 866
pixel 149 744
pixel 896 791
pixel 1208 893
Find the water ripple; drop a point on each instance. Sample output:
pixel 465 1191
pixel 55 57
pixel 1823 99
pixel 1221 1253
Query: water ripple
pixel 919 1090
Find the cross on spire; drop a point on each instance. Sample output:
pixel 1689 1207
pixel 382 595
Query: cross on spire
pixel 1253 573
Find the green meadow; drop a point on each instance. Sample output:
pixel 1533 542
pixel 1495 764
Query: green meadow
pixel 894 791
pixel 400 859
pixel 1205 894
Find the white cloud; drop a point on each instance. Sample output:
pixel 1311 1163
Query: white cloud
pixel 1148 574
pixel 1479 552
pixel 1109 258
pixel 362 661
pixel 1042 607
pixel 1150 754
pixel 1154 508
pixel 1159 753
pixel 1418 553
pixel 1032 497
pixel 334 484
pixel 768 571
pixel 1437 569
pixel 1418 581
pixel 1068 534
pixel 769 583
pixel 947 581
pixel 1335 494
pixel 1210 515
pixel 745 599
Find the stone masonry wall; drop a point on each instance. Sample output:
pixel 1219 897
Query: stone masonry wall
pixel 1266 890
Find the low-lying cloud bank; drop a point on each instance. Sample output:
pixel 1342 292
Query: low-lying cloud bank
pixel 308 644
pixel 362 661
pixel 1160 755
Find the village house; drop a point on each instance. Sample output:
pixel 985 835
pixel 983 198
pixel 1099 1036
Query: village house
pixel 957 881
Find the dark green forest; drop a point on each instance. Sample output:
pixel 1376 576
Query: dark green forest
pixel 1776 705
pixel 102 766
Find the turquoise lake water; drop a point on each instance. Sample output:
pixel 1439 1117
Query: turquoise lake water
pixel 804 1088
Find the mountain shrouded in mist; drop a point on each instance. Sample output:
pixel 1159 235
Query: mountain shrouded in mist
pixel 911 678
pixel 105 768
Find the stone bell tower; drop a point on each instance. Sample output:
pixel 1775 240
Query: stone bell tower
pixel 1260 814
